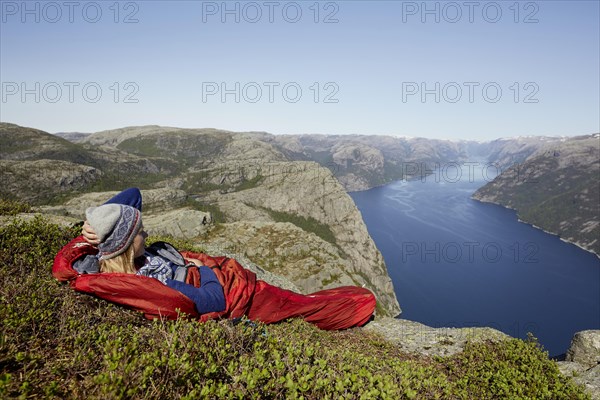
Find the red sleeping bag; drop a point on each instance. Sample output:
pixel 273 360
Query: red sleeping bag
pixel 338 308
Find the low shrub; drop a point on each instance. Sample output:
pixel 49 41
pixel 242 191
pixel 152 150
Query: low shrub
pixel 13 207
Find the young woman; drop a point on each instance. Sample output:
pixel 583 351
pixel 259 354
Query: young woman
pixel 225 290
pixel 121 241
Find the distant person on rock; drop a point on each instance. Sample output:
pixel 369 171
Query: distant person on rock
pixel 222 288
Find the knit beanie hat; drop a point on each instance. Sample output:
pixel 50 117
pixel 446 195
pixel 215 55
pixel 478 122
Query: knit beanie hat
pixel 116 226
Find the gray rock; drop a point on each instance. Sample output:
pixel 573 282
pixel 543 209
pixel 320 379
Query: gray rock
pixel 588 378
pixel 414 337
pixel 285 250
pixel 570 368
pixel 308 190
pixel 585 348
pixel 53 219
pixel 44 179
pixel 185 223
pixel 583 361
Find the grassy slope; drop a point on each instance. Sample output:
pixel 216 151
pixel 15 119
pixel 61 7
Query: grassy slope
pixel 55 343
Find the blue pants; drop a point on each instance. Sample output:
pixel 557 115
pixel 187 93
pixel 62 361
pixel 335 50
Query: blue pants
pixel 129 197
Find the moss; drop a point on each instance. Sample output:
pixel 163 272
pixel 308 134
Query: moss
pixel 186 147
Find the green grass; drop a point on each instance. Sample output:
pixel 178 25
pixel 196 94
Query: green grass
pixel 55 343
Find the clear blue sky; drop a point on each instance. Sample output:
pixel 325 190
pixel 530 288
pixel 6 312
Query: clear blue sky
pixel 384 62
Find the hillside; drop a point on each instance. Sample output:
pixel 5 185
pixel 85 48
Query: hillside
pixel 43 168
pixel 190 174
pixel 507 152
pixel 555 188
pixel 58 344
pixel 288 217
pixel 359 162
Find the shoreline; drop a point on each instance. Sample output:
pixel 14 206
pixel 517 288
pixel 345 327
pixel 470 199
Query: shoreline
pixel 498 204
pixel 538 227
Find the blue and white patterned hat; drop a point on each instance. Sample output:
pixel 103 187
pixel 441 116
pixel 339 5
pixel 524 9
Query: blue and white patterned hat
pixel 116 226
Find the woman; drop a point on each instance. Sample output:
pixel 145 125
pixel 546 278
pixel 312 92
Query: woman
pixel 226 289
pixel 121 240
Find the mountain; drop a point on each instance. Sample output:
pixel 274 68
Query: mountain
pixel 361 162
pixel 507 152
pixel 74 137
pixel 276 202
pixel 555 188
pixel 42 168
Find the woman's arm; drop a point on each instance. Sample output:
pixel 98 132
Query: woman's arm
pixel 209 297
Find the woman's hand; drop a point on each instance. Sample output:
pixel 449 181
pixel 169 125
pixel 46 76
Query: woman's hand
pixel 89 234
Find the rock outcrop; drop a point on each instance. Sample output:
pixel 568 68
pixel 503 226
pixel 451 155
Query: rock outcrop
pixel 306 192
pixel 286 250
pixel 157 199
pixel 414 337
pixel 585 348
pixel 44 180
pixel 583 361
pixel 182 222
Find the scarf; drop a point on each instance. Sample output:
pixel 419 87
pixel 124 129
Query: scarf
pixel 156 267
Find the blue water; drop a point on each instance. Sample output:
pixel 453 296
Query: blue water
pixel 457 262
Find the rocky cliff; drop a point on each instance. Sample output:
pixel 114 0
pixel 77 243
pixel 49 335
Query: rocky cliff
pixel 336 247
pixel 555 188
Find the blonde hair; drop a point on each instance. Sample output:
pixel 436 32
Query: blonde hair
pixel 122 263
